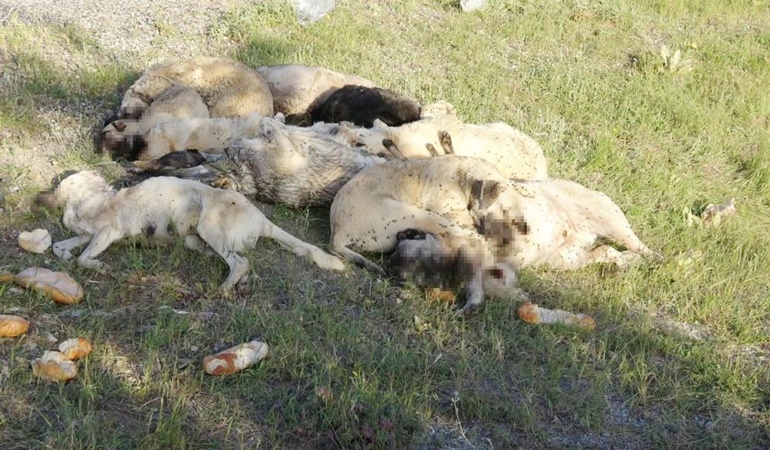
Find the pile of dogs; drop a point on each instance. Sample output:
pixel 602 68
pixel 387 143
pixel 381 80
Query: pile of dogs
pixel 456 206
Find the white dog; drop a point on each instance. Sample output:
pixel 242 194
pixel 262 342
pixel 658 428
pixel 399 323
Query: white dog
pixel 210 219
pixel 515 154
pixel 561 224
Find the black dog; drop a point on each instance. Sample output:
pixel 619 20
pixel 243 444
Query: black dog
pixel 363 105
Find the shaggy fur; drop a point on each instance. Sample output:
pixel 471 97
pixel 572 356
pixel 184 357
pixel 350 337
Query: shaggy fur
pixel 286 164
pixel 515 154
pixel 561 224
pixel 298 89
pixel 210 219
pixel 127 138
pixel 290 165
pixel 362 105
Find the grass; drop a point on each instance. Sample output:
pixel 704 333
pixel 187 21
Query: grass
pixel 359 363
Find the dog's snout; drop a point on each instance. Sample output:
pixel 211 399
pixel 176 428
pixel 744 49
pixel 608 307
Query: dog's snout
pixel 45 199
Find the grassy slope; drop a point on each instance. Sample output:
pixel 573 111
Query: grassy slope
pixel 349 365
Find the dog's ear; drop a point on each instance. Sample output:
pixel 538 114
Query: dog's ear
pixel 484 193
pixel 119 125
pixel 110 119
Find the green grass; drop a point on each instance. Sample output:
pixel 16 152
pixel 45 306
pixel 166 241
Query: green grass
pixel 350 367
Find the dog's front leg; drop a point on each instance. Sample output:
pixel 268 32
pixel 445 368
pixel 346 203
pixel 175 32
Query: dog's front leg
pixel 62 249
pixel 469 266
pixel 98 244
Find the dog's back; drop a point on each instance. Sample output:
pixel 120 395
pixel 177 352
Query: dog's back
pixel 363 105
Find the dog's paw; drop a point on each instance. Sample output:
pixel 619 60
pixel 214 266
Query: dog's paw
pixel 61 252
pixel 328 262
pixel 469 309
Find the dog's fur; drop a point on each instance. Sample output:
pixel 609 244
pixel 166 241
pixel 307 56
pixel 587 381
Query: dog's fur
pixel 201 87
pixel 515 154
pixel 286 164
pixel 128 138
pixel 205 135
pixel 221 221
pixel 561 224
pixel 452 262
pixel 362 105
pixel 229 88
pixel 554 222
pixel 298 89
pixel 442 196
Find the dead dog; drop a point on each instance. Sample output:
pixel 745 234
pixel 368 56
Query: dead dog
pixel 561 224
pixel 361 106
pixel 128 138
pixel 200 87
pixel 298 89
pixel 514 153
pixel 442 196
pixel 210 220
pixel 203 135
pixel 295 166
pixel 229 88
pixel 452 263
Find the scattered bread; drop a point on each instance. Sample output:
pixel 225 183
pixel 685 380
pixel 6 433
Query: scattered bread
pixel 235 358
pixel 59 285
pixel 75 348
pixel 54 366
pixel 440 295
pixel 531 313
pixel 36 241
pixel 12 326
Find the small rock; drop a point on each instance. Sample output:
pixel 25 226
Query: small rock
pixel 36 241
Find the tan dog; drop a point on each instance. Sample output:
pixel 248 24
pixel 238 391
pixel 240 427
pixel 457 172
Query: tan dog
pixel 210 219
pixel 561 224
pixel 229 88
pixel 297 89
pixel 222 88
pixel 515 154
pixel 128 138
pixel 442 197
pixel 204 135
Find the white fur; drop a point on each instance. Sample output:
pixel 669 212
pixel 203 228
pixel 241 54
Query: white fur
pixel 515 154
pixel 566 223
pixel 210 219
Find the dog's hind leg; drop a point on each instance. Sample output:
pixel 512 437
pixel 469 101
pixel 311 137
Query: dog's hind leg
pixel 322 259
pixel 446 142
pixel 393 149
pixel 431 149
pixel 238 265
pixel 193 242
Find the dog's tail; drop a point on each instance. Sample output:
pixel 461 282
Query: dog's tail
pixel 356 258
